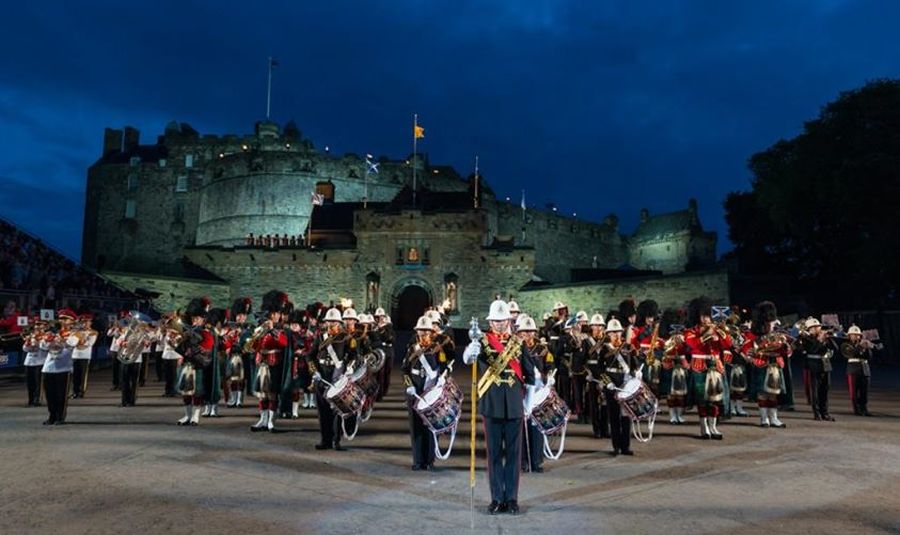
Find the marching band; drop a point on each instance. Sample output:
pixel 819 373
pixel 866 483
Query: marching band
pixel 611 372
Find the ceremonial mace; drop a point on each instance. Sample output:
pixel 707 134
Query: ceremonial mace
pixel 475 334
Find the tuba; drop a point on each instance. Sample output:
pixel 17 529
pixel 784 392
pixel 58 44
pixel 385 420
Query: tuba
pixel 137 336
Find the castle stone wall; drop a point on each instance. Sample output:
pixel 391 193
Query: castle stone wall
pixel 174 293
pixel 670 291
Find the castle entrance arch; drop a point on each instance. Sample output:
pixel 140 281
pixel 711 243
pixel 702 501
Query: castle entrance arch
pixel 409 300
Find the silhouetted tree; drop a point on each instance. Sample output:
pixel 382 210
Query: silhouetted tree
pixel 823 206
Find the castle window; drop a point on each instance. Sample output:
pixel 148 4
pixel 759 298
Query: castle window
pixel 451 291
pixel 134 161
pixel 179 212
pixel 132 182
pixel 189 160
pixel 129 209
pixel 181 184
pixel 373 286
pixel 162 162
pixel 399 260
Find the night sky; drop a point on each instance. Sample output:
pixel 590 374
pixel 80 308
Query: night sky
pixel 597 109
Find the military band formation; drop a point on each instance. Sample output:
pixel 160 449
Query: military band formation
pixel 613 372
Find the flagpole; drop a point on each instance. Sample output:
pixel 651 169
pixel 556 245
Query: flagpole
pixel 476 181
pixel 309 227
pixel 415 145
pixel 523 217
pixel 366 191
pixel 269 90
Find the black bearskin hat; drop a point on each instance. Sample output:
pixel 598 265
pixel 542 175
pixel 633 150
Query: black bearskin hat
pixel 764 313
pixel 297 316
pixel 275 301
pixel 646 309
pixel 198 306
pixel 670 317
pixel 241 305
pixel 626 309
pixel 217 316
pixel 700 306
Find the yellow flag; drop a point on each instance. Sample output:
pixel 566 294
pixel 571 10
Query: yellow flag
pixel 418 132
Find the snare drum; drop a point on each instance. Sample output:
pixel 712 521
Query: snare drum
pixel 637 400
pixel 366 381
pixel 345 396
pixel 549 413
pixel 441 407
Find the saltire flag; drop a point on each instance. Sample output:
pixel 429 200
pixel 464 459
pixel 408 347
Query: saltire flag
pixel 371 165
pixel 720 313
pixel 317 199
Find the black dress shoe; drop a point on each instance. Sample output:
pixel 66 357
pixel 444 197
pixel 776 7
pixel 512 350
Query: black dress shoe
pixel 816 417
pixel 428 467
pixel 538 470
pixel 49 421
pixel 416 468
pixel 59 422
pixel 867 413
pixel 828 418
pixel 494 508
pixel 338 447
pixel 513 507
pixel 705 436
pixel 718 436
pixel 614 453
pixel 320 446
pixel 627 452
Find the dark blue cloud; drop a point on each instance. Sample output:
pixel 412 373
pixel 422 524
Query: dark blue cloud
pixel 598 108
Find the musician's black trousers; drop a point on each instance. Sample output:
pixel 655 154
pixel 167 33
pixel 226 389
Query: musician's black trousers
pixel 421 439
pixel 532 447
pixel 619 425
pixel 858 384
pixel 130 374
pixel 578 382
pixel 79 376
pixel 599 416
pixel 249 375
pixel 504 443
pixel 819 383
pixel 33 379
pixel 170 370
pixel 56 388
pixel 329 422
pixel 116 368
pixel 144 368
pixel 786 398
pixel 158 365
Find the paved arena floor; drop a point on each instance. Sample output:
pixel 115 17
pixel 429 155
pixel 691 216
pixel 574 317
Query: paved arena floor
pixel 118 470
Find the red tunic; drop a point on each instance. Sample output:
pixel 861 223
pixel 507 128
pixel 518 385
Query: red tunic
pixel 761 359
pixel 270 347
pixel 698 349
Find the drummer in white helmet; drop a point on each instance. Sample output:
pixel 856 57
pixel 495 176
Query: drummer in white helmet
pixel 596 404
pixel 618 361
pixel 542 360
pixel 514 315
pixel 329 358
pixel 508 374
pixel 420 370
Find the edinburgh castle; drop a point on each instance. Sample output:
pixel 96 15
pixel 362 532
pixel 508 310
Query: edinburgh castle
pixel 175 219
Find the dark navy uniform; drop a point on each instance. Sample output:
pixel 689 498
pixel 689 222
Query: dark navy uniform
pixel 320 361
pixel 502 411
pixel 858 375
pixel 532 453
pixel 815 355
pixel 596 398
pixel 415 375
pixel 620 425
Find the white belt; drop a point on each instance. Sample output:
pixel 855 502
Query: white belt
pixel 592 362
pixel 813 356
pixel 614 370
pixel 415 372
pixel 702 357
pixel 856 360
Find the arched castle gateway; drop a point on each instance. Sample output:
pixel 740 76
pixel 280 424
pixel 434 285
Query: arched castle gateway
pixel 173 218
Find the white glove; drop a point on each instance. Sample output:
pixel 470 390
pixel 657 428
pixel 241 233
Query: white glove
pixel 551 380
pixel 317 377
pixel 529 396
pixel 349 370
pixel 410 391
pixel 538 381
pixel 610 386
pixel 471 352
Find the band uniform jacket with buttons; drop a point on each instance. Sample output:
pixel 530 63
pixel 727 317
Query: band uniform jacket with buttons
pixel 541 358
pixel 861 364
pixel 446 348
pixel 504 398
pixel 320 360
pixel 414 373
pixel 812 353
pixel 594 363
pixel 608 364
